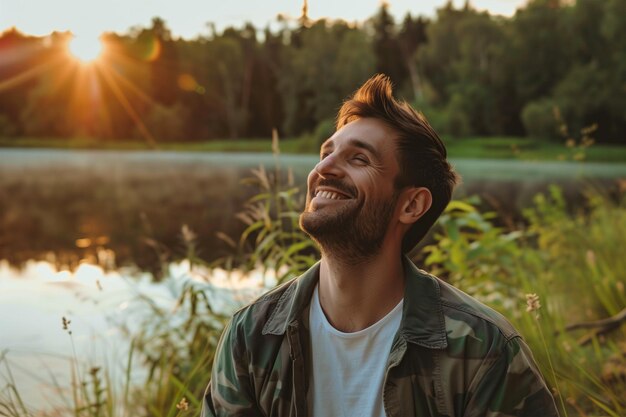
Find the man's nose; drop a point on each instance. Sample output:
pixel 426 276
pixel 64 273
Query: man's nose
pixel 329 167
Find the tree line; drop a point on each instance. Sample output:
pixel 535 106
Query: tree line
pixel 553 64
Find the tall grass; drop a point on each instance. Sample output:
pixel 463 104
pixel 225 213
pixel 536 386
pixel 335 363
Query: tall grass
pixel 572 264
pixel 164 373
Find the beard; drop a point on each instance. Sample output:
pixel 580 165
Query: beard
pixel 352 232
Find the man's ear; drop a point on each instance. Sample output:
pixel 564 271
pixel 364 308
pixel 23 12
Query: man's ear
pixel 415 202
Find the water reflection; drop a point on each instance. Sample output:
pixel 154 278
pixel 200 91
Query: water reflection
pixel 103 306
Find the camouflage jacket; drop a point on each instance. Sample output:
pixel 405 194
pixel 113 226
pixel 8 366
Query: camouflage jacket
pixel 452 356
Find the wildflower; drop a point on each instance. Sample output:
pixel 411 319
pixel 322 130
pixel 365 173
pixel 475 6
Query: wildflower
pixel 183 405
pixel 66 325
pixel 587 142
pixel 94 371
pixel 188 235
pixel 532 302
pixel 570 143
pixel 588 130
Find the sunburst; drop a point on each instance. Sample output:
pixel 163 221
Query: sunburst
pixel 85 48
pixel 90 77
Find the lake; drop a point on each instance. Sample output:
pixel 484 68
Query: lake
pixel 72 202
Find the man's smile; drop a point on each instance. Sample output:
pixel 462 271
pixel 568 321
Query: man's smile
pixel 324 195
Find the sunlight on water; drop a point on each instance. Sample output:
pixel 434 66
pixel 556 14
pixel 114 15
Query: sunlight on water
pixel 99 303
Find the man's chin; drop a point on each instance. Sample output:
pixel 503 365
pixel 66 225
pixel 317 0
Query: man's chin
pixel 320 225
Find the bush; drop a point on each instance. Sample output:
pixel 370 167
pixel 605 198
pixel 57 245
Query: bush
pixel 323 130
pixel 538 119
pixel 562 270
pixel 166 123
pixel 457 121
pixel 435 116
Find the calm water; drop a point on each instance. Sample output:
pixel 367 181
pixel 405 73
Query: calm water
pixel 99 304
pixel 73 201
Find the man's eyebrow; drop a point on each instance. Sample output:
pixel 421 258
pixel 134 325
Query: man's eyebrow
pixel 364 145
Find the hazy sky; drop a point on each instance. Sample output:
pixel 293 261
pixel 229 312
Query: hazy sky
pixel 188 18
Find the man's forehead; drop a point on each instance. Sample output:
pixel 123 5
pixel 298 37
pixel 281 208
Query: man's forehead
pixel 375 137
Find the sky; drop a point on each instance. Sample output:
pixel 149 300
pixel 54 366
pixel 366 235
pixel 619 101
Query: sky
pixel 189 18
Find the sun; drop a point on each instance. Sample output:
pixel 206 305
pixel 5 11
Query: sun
pixel 85 49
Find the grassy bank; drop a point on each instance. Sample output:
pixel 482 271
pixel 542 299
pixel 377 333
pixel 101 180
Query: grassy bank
pixel 472 147
pixel 531 149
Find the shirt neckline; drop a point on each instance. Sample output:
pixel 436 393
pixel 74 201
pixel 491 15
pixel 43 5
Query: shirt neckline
pixel 315 303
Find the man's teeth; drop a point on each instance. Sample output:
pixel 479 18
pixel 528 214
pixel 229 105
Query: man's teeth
pixel 329 194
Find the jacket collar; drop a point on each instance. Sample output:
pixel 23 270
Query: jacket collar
pixel 422 323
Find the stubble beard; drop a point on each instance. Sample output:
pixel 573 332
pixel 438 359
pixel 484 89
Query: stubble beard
pixel 353 232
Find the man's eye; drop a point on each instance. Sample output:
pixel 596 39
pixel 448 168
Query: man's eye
pixel 361 159
pixel 324 155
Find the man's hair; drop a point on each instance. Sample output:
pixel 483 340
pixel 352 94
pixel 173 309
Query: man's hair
pixel 420 152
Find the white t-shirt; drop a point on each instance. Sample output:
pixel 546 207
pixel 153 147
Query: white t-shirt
pixel 349 368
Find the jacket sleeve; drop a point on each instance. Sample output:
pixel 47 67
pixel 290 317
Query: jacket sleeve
pixel 230 392
pixel 511 386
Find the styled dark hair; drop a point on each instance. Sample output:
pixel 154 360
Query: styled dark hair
pixel 420 152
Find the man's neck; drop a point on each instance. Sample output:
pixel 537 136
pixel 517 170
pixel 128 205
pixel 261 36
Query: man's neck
pixel 355 296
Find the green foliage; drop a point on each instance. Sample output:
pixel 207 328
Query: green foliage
pixel 575 268
pixel 457 122
pixel 386 45
pixel 586 247
pixel 538 118
pixel 572 263
pixel 324 64
pixel 538 48
pixel 167 123
pixel 177 348
pixel 463 63
pixel 324 130
pixel 272 239
pixel 473 254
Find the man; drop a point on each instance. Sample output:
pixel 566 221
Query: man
pixel 364 332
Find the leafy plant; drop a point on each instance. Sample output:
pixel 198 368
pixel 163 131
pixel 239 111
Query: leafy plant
pixel 559 281
pixel 272 239
pixel 473 254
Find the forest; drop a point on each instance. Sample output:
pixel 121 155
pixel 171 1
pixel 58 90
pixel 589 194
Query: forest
pixel 553 63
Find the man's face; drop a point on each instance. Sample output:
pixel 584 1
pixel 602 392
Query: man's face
pixel 351 195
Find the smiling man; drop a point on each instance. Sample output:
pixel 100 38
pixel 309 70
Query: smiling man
pixel 364 332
